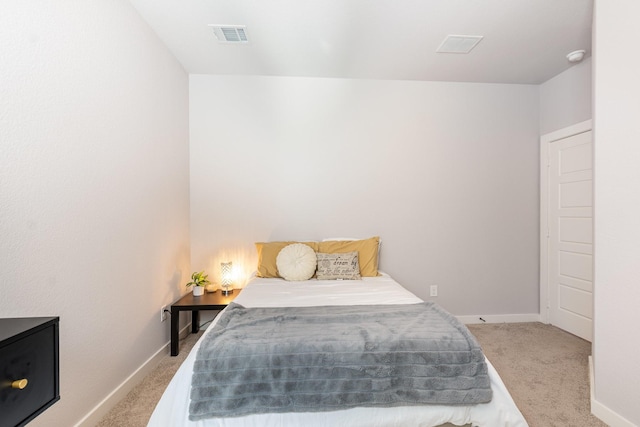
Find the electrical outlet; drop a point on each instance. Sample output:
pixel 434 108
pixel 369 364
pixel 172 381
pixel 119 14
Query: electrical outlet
pixel 433 290
pixel 163 315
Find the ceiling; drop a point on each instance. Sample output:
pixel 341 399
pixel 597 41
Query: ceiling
pixel 525 41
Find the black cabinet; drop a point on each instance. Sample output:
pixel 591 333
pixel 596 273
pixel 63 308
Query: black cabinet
pixel 29 368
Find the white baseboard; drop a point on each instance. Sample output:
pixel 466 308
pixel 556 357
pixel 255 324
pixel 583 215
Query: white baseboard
pixel 119 393
pixel 499 318
pixel 599 410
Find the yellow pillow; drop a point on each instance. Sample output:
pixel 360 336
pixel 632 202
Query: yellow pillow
pixel 367 252
pixel 267 254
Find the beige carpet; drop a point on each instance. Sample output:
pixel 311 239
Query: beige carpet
pixel 136 408
pixel 544 368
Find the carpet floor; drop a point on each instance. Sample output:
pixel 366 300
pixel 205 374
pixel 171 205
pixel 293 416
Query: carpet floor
pixel 544 368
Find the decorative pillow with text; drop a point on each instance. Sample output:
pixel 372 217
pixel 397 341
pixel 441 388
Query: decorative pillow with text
pixel 340 266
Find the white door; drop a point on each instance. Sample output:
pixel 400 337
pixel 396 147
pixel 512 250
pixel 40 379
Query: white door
pixel 570 221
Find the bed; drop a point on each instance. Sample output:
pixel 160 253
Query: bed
pixel 173 407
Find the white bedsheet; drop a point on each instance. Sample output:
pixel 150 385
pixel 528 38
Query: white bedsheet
pixel 173 408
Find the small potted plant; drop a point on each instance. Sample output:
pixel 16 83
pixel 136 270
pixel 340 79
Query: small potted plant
pixel 198 280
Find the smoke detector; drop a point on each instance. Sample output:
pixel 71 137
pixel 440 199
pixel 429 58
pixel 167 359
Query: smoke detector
pixel 576 55
pixel 230 33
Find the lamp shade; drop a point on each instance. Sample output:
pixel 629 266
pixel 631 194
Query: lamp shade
pixel 226 269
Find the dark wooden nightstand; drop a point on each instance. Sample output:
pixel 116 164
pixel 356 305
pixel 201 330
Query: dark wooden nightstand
pixel 29 368
pixel 208 301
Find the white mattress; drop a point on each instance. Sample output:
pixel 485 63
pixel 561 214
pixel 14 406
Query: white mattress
pixel 173 407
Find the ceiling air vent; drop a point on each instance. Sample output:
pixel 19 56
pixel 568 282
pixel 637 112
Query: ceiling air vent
pixel 458 44
pixel 230 33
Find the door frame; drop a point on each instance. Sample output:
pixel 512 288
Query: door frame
pixel 545 141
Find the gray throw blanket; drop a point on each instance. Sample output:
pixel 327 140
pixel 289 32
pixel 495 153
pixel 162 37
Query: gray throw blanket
pixel 309 359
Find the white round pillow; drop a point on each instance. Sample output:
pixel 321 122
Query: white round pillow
pixel 296 261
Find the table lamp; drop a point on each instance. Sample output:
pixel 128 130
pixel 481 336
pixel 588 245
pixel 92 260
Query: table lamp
pixel 226 281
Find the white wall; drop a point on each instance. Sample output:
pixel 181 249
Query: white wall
pixel 617 207
pixel 445 173
pixel 566 98
pixel 93 187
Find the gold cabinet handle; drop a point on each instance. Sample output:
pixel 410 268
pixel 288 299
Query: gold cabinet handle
pixel 19 384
